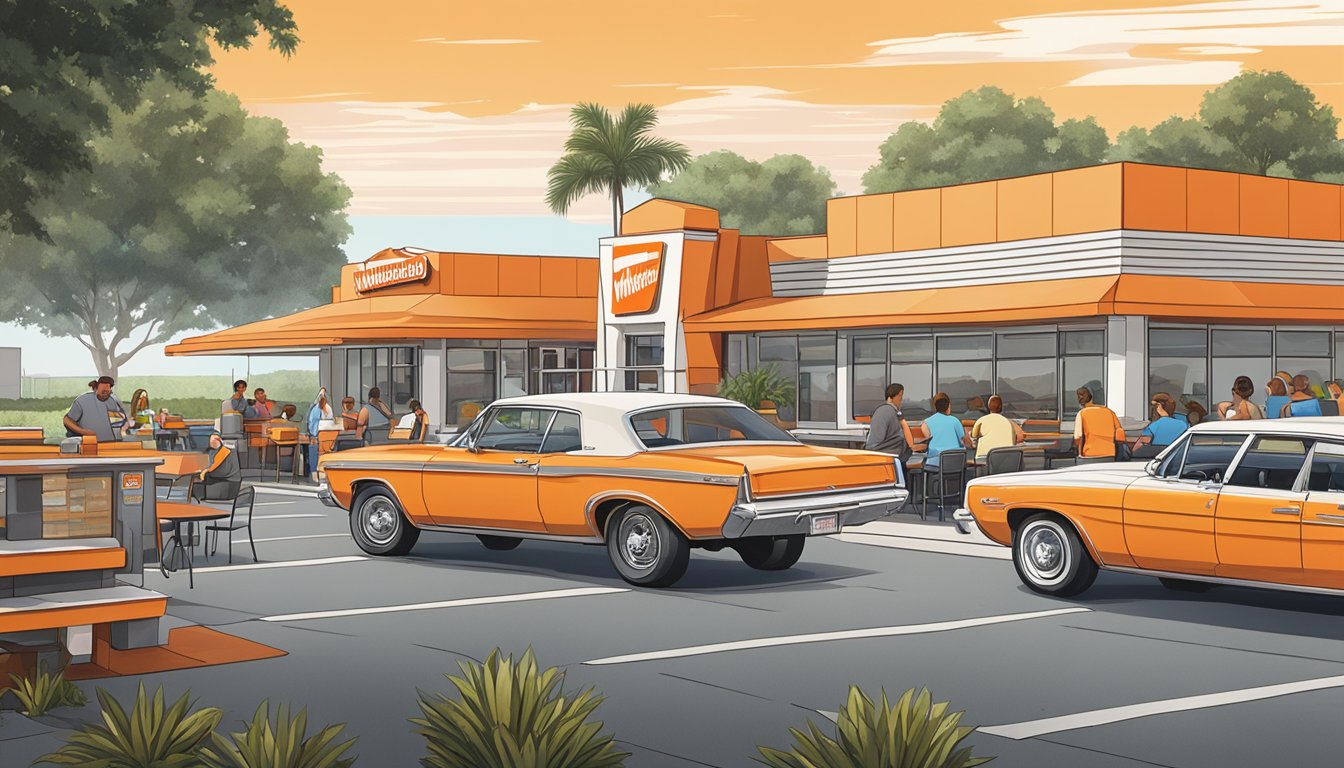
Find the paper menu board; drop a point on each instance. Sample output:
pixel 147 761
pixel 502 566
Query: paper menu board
pixel 76 507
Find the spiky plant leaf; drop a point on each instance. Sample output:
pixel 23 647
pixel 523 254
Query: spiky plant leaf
pixel 513 715
pixel 45 691
pixel 914 732
pixel 752 387
pixel 284 744
pixel 149 736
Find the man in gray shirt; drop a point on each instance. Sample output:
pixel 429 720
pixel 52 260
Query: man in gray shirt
pixel 889 432
pixel 91 413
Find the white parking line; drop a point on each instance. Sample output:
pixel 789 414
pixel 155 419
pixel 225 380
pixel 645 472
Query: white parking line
pixel 309 536
pixel 929 545
pixel 272 503
pixel 1033 728
pixel 286 492
pixel 278 564
pixel 518 598
pixel 285 517
pixel 824 637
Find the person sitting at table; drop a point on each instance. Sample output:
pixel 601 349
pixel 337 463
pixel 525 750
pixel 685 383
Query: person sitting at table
pixel 1240 407
pixel 98 413
pixel 994 430
pixel 1096 429
pixel 374 418
pixel 223 478
pixel 349 414
pixel 285 414
pixel 1302 402
pixel 1165 426
pixel 238 403
pixel 413 421
pixel 943 431
pixel 975 408
pixel 261 407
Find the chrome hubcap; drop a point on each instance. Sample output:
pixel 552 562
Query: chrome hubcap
pixel 380 520
pixel 639 542
pixel 1044 552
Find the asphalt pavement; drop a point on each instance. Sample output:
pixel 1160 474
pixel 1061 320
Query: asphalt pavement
pixel 1129 674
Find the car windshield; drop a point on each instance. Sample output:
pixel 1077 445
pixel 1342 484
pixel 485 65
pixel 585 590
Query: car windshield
pixel 689 425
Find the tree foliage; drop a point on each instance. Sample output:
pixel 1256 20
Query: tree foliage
pixel 984 134
pixel 606 155
pixel 192 214
pixel 51 49
pixel 785 195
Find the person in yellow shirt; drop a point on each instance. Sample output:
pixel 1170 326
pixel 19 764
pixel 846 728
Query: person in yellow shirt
pixel 1096 429
pixel 994 430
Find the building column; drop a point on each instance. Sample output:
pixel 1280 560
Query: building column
pixel 1127 366
pixel 433 372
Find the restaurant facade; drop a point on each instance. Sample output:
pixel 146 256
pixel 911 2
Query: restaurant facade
pixel 1126 278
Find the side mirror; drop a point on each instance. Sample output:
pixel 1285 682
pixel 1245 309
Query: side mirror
pixel 1151 468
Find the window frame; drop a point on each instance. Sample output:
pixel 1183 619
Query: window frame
pixel 1311 458
pixel 1231 465
pixel 1303 471
pixel 494 412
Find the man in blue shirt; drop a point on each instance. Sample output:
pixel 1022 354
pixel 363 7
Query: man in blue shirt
pixel 1163 430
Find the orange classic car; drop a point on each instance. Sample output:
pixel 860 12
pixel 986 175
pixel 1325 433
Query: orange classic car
pixel 648 475
pixel 1257 503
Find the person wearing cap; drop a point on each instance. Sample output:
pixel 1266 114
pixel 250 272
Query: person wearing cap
pixel 98 413
pixel 222 479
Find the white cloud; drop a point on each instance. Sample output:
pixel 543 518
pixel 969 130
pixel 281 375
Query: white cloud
pixel 1178 73
pixel 483 41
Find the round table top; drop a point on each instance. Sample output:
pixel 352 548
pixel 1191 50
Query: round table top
pixel 176 510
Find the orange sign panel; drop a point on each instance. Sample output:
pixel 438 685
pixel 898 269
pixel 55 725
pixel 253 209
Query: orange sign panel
pixel 636 271
pixel 131 481
pixel 383 274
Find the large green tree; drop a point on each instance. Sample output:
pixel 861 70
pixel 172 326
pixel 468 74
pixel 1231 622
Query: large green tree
pixel 51 49
pixel 785 195
pixel 984 134
pixel 191 214
pixel 605 155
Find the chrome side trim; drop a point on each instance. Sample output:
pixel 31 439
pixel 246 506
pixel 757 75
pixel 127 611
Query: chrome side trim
pixel 1336 523
pixel 672 475
pixel 481 469
pixel 830 500
pixel 830 491
pixel 391 466
pixel 477 531
pixel 1328 516
pixel 1225 581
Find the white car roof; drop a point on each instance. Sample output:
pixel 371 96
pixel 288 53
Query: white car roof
pixel 603 414
pixel 1329 426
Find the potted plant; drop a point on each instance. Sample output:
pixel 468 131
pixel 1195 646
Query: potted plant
pixel 764 389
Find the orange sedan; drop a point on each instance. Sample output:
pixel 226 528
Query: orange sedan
pixel 1256 503
pixel 648 475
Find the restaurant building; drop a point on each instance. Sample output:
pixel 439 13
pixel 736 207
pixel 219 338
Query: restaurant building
pixel 1126 278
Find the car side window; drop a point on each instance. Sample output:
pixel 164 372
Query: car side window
pixel 518 430
pixel 564 435
pixel 1208 456
pixel 1327 469
pixel 1272 461
pixel 1171 465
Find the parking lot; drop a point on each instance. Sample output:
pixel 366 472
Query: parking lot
pixel 1130 674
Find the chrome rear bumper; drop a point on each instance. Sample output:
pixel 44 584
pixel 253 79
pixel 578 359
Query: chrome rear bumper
pixel 793 515
pixel 324 496
pixel 965 521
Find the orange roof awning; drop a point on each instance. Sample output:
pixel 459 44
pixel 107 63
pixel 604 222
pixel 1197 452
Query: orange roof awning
pixel 402 318
pixel 1184 298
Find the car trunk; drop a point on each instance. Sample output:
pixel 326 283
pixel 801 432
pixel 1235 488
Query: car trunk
pixel 778 470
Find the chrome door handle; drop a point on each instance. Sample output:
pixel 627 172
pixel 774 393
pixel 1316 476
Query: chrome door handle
pixel 1286 510
pixel 522 461
pixel 1324 516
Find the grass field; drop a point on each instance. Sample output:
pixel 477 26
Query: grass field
pixel 285 386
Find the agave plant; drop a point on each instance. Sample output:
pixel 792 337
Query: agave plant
pixel 149 736
pixel 757 385
pixel 512 715
pixel 44 692
pixel 914 733
pixel 284 745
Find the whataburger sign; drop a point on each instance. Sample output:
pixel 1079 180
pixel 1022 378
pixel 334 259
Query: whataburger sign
pixel 389 272
pixel 635 274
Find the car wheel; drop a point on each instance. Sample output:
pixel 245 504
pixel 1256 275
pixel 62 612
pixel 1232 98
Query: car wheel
pixel 1050 558
pixel 1185 585
pixel 770 553
pixel 499 543
pixel 379 525
pixel 646 549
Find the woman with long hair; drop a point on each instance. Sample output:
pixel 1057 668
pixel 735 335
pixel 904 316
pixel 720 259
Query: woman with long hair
pixel 318 413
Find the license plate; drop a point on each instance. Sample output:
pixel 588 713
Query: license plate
pixel 822 524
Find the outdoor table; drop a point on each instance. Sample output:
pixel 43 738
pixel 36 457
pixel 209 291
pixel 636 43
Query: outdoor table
pixel 178 465
pixel 179 513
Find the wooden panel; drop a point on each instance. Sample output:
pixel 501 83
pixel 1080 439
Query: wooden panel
pixel 587 277
pixel 916 220
pixel 559 277
pixel 1313 210
pixel 1154 197
pixel 874 215
pixel 842 222
pixel 1264 206
pixel 1087 199
pixel 1212 202
pixel 1024 209
pixel 970 214
pixel 476 274
pixel 520 275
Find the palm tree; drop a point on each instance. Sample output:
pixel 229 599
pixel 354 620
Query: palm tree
pixel 605 155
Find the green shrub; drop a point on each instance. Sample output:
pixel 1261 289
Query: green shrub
pixel 752 387
pixel 914 733
pixel 149 736
pixel 512 715
pixel 286 745
pixel 45 692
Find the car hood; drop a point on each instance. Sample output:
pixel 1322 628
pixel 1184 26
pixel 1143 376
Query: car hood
pixel 787 468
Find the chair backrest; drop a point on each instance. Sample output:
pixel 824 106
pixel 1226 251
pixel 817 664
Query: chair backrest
pixel 1006 459
pixel 952 464
pixel 242 502
pixel 231 424
pixel 1063 445
pixel 1329 407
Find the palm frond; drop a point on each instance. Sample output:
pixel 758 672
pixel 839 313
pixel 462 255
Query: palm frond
pixel 574 176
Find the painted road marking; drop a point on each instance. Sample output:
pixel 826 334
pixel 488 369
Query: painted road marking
pixel 929 545
pixel 825 637
pixel 1033 728
pixel 285 517
pixel 309 536
pixel 277 564
pixel 517 598
pixel 272 503
pixel 286 492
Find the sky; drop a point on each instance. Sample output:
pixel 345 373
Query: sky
pixel 444 117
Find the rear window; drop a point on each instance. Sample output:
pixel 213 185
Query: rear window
pixel 1271 462
pixel 690 425
pixel 1327 469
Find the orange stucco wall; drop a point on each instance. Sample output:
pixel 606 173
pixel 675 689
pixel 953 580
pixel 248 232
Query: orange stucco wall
pixel 488 274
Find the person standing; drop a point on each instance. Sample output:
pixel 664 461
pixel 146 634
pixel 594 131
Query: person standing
pixel 889 432
pixel 944 431
pixel 375 418
pixel 1302 402
pixel 318 413
pixel 222 480
pixel 994 430
pixel 98 413
pixel 1096 429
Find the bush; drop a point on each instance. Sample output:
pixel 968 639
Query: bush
pixel 45 692
pixel 286 745
pixel 751 388
pixel 914 733
pixel 150 736
pixel 513 715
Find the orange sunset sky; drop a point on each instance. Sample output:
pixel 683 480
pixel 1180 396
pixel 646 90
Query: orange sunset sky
pixel 454 108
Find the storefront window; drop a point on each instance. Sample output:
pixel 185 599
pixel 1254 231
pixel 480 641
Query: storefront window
pixel 1306 353
pixel 868 371
pixel 643 352
pixel 394 370
pixel 912 368
pixel 1178 364
pixel 513 372
pixel 816 379
pixel 1083 365
pixel 1239 352
pixel 735 356
pixel 781 352
pixel 965 369
pixel 559 369
pixel 471 382
pixel 1026 378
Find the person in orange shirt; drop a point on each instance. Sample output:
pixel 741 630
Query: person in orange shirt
pixel 1096 429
